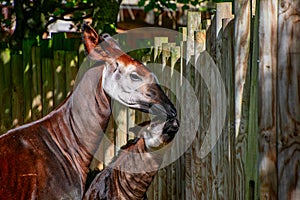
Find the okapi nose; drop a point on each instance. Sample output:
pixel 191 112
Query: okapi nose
pixel 171 127
pixel 174 125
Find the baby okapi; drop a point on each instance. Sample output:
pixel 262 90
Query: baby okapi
pixel 131 172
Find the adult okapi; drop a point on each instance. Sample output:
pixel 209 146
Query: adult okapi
pixel 49 158
pixel 133 169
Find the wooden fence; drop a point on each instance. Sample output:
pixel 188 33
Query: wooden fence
pixel 256 51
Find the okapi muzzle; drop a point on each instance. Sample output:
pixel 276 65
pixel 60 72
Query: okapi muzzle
pixel 157 102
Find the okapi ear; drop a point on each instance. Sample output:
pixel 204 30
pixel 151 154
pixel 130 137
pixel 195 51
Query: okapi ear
pixel 92 45
pixel 137 129
pixel 90 38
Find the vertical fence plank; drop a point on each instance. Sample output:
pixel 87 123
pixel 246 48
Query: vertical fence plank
pixel 120 119
pixel 267 98
pixel 183 47
pixel 36 104
pixel 209 168
pixel 288 96
pixel 228 67
pixel 193 24
pixel 27 78
pixel 59 76
pixel 47 76
pixel 223 11
pixel 17 90
pixel 59 68
pixel 198 192
pixel 175 92
pixel 5 90
pixel 242 55
pixel 71 63
pixel 253 131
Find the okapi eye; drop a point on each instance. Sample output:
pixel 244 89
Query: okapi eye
pixel 135 77
pixel 117 65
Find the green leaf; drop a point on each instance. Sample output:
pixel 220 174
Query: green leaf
pixel 58 11
pixel 194 3
pixel 148 7
pixel 7 22
pixel 172 6
pixel 183 1
pixel 70 4
pixel 141 3
pixel 185 7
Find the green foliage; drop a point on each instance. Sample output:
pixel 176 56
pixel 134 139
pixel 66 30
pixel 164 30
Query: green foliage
pixel 32 17
pixel 159 5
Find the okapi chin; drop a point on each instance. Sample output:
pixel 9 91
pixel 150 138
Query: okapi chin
pixel 131 172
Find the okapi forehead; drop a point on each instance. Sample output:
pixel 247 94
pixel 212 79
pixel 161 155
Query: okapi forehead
pixel 128 61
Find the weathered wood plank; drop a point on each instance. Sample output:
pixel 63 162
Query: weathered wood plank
pixel 175 93
pixel 48 85
pixel 5 90
pixel 220 152
pixel 196 165
pixel 120 118
pixel 252 158
pixel 229 134
pixel 36 92
pixel 109 142
pixel 267 98
pixel 193 24
pixel 288 96
pixel 27 78
pixel 242 54
pixel 71 63
pixel 183 47
pixel 17 90
pixel 59 76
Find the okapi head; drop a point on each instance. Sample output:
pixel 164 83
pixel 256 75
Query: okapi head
pixel 125 79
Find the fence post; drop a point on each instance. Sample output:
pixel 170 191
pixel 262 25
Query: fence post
pixel 36 105
pixel 242 56
pixel 193 24
pixel 59 68
pixel 27 78
pixel 47 76
pixel 288 101
pixel 229 134
pixel 267 98
pixel 198 171
pixel 5 90
pixel 17 90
